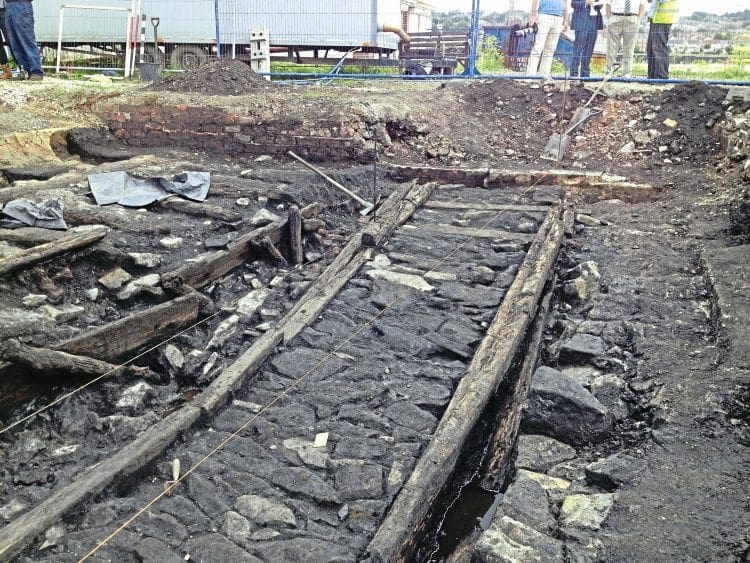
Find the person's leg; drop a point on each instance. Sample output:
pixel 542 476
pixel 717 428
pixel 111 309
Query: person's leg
pixel 550 44
pixel 543 24
pixel 588 51
pixel 650 50
pixel 3 54
pixel 19 20
pixel 614 39
pixel 628 45
pixel 576 61
pixel 11 11
pixel 660 50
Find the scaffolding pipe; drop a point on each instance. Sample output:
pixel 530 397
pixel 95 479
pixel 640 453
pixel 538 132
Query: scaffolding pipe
pixel 474 41
pixel 318 76
pixel 218 29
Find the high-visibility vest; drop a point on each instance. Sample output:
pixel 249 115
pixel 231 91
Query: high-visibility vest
pixel 666 11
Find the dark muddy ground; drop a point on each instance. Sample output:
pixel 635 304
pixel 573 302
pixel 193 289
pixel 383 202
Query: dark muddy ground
pixel 688 414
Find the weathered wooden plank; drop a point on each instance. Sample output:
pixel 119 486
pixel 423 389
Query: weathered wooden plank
pixel 112 341
pixel 213 265
pixel 470 177
pixel 602 184
pixel 501 446
pixel 398 536
pixel 129 460
pixel 203 209
pixel 480 206
pixel 30 236
pixel 469 232
pixel 72 240
pixel 52 362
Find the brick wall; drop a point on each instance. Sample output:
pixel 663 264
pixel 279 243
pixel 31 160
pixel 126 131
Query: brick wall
pixel 215 130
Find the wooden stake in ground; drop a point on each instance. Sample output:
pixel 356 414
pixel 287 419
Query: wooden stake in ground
pixel 295 235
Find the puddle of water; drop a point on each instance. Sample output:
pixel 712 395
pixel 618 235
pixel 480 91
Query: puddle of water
pixel 473 510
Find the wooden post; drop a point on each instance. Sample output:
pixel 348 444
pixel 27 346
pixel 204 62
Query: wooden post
pixel 295 235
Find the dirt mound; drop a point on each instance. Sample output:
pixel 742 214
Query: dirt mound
pixel 695 107
pixel 225 77
pixel 516 98
pixel 529 115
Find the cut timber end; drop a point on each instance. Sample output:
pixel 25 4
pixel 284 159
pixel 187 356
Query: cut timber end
pixel 72 240
pixel 112 341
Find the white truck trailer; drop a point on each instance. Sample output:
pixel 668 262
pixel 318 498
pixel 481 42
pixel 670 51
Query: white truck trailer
pixel 187 30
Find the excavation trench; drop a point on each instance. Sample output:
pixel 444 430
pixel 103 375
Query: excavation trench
pixel 337 354
pixel 235 325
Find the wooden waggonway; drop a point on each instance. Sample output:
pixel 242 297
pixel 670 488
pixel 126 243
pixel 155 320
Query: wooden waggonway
pixel 394 351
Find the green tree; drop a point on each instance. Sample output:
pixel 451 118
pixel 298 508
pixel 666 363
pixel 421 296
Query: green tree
pixel 491 57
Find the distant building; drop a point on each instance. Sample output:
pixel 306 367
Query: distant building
pixel 416 15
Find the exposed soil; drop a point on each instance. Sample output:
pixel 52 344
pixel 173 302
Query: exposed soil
pixel 688 391
pixel 224 77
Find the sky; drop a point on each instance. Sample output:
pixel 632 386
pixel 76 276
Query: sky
pixel 686 6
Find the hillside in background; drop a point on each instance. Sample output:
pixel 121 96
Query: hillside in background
pixel 457 19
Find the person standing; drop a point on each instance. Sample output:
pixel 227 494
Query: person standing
pixel 662 14
pixel 19 21
pixel 551 19
pixel 4 62
pixel 623 17
pixel 586 22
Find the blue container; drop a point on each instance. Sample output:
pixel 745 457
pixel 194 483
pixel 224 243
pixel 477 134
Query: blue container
pixel 516 58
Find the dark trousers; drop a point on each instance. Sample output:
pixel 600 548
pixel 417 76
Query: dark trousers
pixel 583 48
pixel 657 50
pixel 19 21
pixel 3 38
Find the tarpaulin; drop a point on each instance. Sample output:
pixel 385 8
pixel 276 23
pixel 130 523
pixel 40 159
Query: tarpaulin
pixel 121 187
pixel 22 212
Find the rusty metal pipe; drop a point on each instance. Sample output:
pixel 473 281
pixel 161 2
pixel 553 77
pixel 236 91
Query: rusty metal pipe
pixel 387 28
